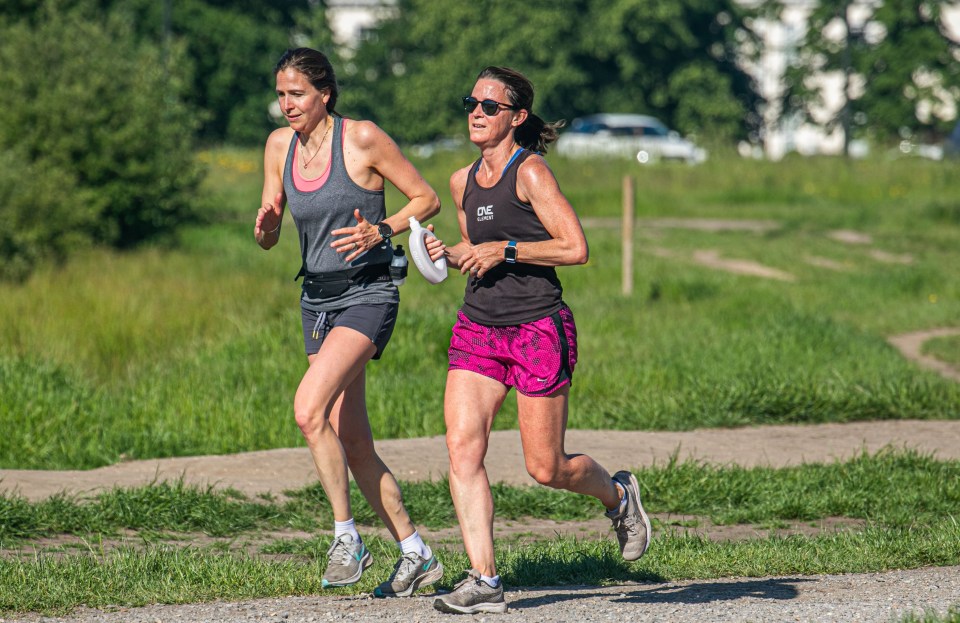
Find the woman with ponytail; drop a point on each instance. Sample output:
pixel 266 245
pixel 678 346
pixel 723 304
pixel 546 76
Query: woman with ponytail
pixel 330 172
pixel 514 330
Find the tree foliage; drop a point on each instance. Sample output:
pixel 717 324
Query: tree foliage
pixel 230 47
pixel 671 58
pixel 898 61
pixel 97 142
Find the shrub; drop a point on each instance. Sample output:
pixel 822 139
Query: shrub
pixel 93 129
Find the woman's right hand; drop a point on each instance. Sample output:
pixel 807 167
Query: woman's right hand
pixel 269 217
pixel 435 247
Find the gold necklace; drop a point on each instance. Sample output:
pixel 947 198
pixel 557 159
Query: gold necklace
pixel 309 160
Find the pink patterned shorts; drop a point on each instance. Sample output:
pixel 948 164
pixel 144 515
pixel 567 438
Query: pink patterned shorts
pixel 536 357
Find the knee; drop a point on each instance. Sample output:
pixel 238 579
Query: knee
pixel 466 452
pixel 547 473
pixel 310 421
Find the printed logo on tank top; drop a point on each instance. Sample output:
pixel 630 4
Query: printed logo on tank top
pixel 485 213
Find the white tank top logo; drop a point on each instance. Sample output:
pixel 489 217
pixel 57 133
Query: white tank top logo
pixel 485 213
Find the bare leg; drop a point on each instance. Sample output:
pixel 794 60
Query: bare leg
pixel 352 425
pixel 470 403
pixel 332 370
pixel 543 426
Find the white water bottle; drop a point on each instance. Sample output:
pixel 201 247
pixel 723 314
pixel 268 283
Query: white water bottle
pixel 398 266
pixel 434 272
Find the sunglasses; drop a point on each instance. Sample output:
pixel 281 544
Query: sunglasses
pixel 489 107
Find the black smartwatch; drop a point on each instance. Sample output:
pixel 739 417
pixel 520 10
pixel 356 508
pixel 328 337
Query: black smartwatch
pixel 385 230
pixel 510 252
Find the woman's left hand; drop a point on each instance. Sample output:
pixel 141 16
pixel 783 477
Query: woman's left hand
pixel 479 259
pixel 356 240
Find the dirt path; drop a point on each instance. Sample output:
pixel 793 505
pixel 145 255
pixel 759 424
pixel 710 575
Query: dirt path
pixel 426 458
pixel 910 346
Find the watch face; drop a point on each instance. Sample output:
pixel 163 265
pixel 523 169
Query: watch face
pixel 385 230
pixel 510 253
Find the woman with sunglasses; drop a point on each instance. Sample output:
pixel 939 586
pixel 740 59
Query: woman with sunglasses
pixel 331 172
pixel 514 330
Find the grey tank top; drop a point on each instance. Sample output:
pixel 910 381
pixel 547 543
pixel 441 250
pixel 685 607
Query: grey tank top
pixel 317 213
pixel 510 294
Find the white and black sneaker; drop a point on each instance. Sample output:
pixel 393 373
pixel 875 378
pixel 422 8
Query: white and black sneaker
pixel 472 595
pixel 631 524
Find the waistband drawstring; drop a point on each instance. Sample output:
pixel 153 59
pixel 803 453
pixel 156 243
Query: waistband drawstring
pixel 321 320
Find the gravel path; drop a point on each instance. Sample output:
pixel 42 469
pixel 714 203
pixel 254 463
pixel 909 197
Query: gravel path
pixel 855 597
pixel 881 597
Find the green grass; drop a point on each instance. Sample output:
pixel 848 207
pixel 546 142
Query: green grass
pixel 946 349
pixel 137 576
pixel 951 616
pixel 899 489
pixel 139 545
pixel 195 348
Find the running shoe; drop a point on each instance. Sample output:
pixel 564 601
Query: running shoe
pixel 632 525
pixel 347 560
pixel 472 595
pixel 410 573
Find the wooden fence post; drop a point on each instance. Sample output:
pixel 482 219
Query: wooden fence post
pixel 626 231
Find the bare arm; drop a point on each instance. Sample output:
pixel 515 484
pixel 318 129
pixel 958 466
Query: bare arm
pixel 537 186
pixel 567 245
pixel 373 157
pixel 266 230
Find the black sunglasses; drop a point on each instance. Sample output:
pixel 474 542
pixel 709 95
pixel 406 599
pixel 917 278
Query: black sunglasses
pixel 489 107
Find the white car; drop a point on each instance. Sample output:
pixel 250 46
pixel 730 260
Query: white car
pixel 630 136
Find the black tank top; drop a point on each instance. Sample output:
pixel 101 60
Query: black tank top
pixel 510 294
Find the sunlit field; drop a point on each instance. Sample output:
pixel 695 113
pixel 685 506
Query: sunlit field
pixel 195 347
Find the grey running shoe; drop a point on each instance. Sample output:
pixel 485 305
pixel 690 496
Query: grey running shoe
pixel 410 573
pixel 632 525
pixel 347 560
pixel 472 595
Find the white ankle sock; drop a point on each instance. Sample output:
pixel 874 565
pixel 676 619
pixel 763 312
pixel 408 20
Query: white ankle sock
pixel 346 527
pixel 492 582
pixel 413 544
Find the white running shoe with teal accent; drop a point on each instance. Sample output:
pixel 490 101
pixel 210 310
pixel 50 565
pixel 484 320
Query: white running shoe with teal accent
pixel 410 573
pixel 346 561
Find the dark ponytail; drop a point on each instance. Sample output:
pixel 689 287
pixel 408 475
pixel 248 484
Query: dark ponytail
pixel 535 133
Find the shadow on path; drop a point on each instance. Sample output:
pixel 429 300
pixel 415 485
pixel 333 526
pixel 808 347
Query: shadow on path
pixel 779 589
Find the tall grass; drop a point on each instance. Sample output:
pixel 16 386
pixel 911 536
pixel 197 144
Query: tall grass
pixel 195 348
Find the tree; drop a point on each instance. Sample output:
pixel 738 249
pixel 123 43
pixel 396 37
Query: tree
pixel 674 59
pixel 231 47
pixel 677 60
pixel 899 68
pixel 97 142
pixel 410 75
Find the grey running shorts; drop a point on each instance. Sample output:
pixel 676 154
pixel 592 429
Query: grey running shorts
pixel 374 321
